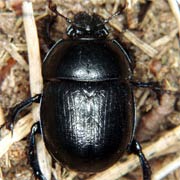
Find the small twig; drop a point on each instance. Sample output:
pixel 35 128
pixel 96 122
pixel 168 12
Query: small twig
pixel 176 11
pixel 131 13
pixel 1 175
pixel 142 99
pixel 165 39
pixel 163 51
pixel 119 169
pixel 72 174
pixel 164 171
pixel 20 131
pixel 36 82
pixel 149 50
pixel 2 120
pixel 20 47
pixel 7 161
pixel 4 56
pixel 116 5
pixel 173 149
pixel 12 51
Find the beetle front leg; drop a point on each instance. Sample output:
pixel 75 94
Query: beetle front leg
pixel 18 108
pixel 49 42
pixel 32 151
pixel 152 85
pixel 156 87
pixel 136 149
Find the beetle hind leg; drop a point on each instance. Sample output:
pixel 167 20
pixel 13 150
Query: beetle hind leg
pixel 32 152
pixel 135 148
pixel 11 118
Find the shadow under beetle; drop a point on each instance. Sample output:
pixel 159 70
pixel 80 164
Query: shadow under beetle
pixel 87 105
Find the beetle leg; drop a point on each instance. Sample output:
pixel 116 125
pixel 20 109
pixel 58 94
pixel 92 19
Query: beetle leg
pixel 47 38
pixel 11 118
pixel 156 87
pixel 32 152
pixel 135 148
pixel 153 85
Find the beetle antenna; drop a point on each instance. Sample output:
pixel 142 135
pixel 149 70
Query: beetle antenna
pixel 111 17
pixel 53 8
pixel 114 15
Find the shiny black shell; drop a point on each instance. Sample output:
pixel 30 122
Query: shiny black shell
pixel 87 108
pixel 86 60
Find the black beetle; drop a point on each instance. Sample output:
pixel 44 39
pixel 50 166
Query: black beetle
pixel 87 105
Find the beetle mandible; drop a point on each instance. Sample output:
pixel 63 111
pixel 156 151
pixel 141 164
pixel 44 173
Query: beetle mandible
pixel 87 105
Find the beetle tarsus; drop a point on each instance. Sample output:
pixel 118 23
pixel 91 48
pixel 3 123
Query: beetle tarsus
pixel 135 148
pixel 11 118
pixel 32 152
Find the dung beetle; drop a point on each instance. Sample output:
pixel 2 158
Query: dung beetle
pixel 87 107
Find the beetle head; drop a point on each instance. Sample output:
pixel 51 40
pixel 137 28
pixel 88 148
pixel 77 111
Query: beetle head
pixel 87 26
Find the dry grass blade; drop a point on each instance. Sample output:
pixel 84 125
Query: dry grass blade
pixel 176 11
pixel 21 130
pixel 164 171
pixel 12 51
pixel 2 120
pixel 36 82
pixel 165 39
pixel 119 169
pixel 150 51
pixel 1 175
